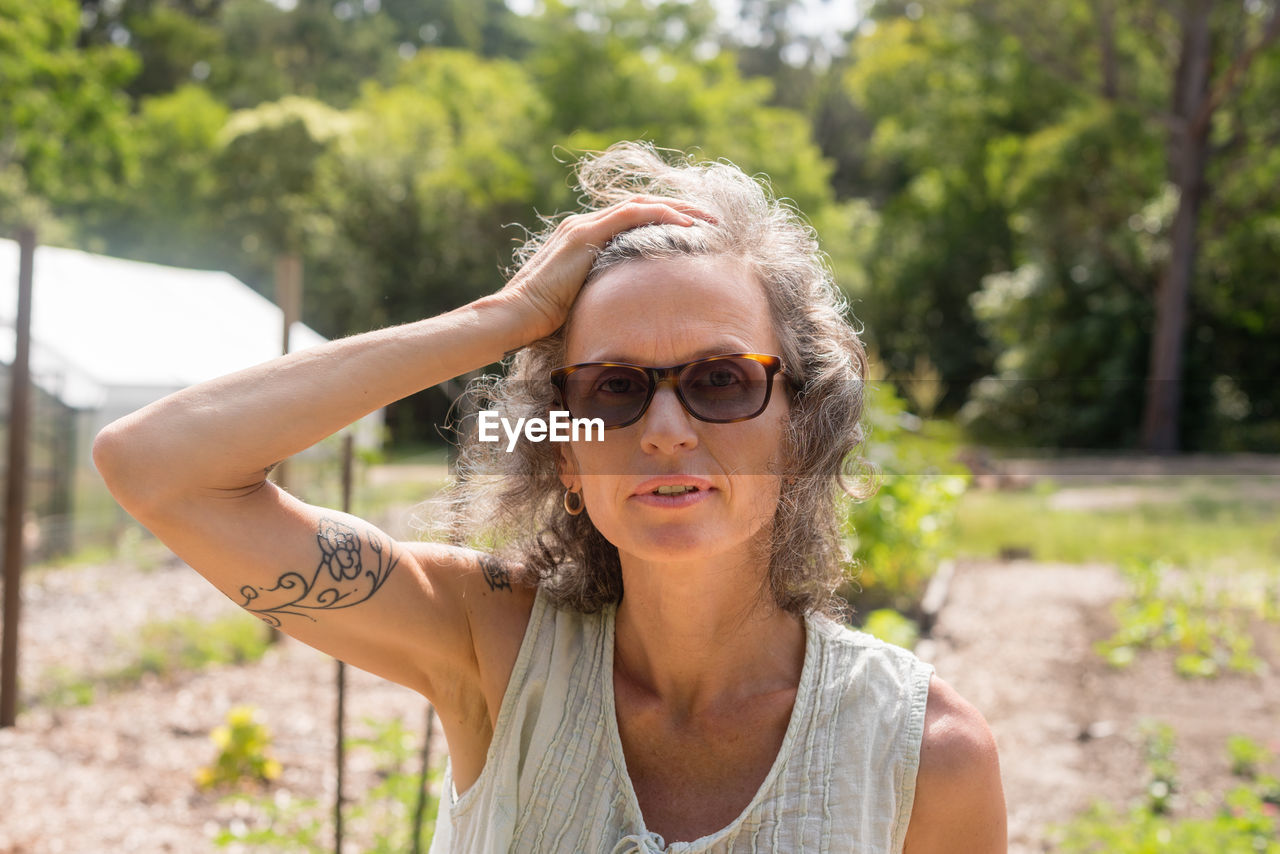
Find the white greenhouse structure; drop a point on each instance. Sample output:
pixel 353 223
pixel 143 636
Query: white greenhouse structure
pixel 108 336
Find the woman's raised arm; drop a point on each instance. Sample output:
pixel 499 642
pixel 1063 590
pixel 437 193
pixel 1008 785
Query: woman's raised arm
pixel 193 467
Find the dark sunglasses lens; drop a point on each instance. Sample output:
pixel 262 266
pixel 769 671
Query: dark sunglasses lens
pixel 725 389
pixel 612 393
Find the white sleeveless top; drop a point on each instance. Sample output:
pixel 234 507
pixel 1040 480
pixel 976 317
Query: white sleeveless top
pixel 555 779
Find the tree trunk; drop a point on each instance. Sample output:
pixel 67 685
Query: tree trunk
pixel 1188 153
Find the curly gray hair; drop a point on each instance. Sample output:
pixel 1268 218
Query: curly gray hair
pixel 511 503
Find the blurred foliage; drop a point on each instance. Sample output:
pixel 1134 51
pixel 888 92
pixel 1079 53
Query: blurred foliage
pixel 890 626
pixel 1246 819
pixel 1023 155
pixel 1208 632
pixel 380 822
pixel 1247 757
pixel 1213 526
pixel 899 535
pixel 187 644
pixel 244 756
pixel 63 115
pixel 991 181
pixel 160 648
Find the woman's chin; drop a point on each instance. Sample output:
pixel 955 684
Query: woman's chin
pixel 682 545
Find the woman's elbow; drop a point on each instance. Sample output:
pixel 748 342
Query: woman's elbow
pixel 120 458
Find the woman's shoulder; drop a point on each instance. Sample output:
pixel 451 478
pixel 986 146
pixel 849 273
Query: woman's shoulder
pixel 959 794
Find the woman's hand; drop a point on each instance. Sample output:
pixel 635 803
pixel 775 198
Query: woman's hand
pixel 543 290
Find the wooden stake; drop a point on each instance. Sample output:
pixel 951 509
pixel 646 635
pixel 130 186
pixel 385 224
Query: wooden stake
pixel 348 454
pixel 16 478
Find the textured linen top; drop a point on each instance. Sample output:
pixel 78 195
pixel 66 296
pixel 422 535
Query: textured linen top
pixel 555 779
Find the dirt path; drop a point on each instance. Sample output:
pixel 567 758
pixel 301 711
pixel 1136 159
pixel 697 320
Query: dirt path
pixel 1015 639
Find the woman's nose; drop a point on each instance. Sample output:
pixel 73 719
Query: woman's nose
pixel 667 425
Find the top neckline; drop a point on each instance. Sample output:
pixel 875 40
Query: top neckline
pixel 799 714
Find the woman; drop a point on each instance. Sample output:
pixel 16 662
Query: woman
pixel 647 662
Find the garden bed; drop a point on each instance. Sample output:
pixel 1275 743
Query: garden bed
pixel 1017 640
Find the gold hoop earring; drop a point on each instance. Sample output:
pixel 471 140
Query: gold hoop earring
pixel 573 511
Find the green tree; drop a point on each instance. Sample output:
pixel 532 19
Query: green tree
pixel 318 49
pixel 485 27
pixel 660 86
pixel 63 118
pixel 937 99
pixel 174 40
pixel 427 196
pixel 272 169
pixel 1183 84
pixel 1060 114
pixel 168 209
pixel 435 168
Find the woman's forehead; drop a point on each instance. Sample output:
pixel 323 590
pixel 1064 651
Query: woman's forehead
pixel 684 308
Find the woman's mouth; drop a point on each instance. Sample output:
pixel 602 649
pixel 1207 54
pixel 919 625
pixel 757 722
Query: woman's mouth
pixel 674 496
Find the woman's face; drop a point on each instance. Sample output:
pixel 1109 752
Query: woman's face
pixel 662 313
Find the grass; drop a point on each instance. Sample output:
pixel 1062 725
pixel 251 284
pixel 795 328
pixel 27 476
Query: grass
pixel 1202 556
pixel 163 648
pixel 83 556
pixel 417 454
pixel 1202 523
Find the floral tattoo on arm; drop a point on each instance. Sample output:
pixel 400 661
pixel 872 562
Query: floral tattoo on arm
pixel 351 569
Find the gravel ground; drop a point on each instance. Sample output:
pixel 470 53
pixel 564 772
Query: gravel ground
pixel 84 621
pixel 117 775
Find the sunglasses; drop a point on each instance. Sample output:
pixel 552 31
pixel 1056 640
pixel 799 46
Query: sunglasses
pixel 718 389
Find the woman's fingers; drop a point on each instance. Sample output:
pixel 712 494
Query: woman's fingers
pixel 548 283
pixel 600 227
pixel 666 202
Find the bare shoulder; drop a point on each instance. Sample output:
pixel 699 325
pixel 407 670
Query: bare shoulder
pixel 959 801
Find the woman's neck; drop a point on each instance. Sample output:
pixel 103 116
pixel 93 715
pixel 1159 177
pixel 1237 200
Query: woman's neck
pixel 697 636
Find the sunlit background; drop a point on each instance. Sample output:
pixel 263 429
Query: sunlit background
pixel 1056 221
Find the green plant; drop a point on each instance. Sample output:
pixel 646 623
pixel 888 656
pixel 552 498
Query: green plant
pixel 899 535
pixel 66 688
pixel 1158 744
pixel 1247 820
pixel 185 644
pixel 381 821
pixel 1245 826
pixel 243 744
pixel 161 648
pixel 1207 524
pixel 1207 633
pixel 190 644
pixel 1247 756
